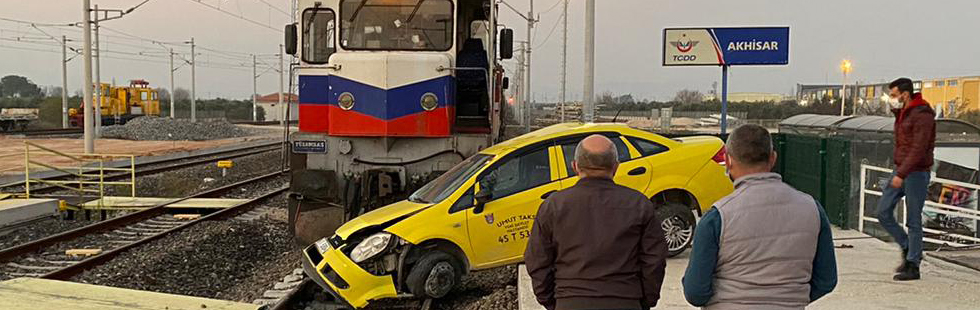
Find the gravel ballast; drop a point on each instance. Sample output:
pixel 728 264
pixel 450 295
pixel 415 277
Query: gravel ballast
pixel 151 128
pixel 203 260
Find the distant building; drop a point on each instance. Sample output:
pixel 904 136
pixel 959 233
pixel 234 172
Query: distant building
pixel 273 111
pixel 752 97
pixel 959 93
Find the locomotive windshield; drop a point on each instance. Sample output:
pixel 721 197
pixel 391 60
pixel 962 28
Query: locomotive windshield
pixel 418 25
pixel 318 33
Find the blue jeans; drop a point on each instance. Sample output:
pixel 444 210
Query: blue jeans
pixel 914 188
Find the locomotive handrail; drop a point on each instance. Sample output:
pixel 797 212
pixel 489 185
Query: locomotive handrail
pixel 441 68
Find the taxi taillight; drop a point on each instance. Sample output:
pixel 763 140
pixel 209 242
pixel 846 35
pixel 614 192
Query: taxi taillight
pixel 720 156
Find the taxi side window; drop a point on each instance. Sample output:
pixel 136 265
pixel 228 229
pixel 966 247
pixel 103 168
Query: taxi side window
pixel 520 173
pixel 568 149
pixel 464 202
pixel 646 147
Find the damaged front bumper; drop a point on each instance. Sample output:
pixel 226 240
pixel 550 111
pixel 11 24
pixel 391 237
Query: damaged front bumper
pixel 341 277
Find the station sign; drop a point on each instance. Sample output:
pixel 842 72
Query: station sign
pixel 726 46
pixel 309 147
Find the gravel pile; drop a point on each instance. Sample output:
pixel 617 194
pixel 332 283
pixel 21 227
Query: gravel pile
pixel 167 129
pixel 493 289
pixel 189 180
pixel 204 260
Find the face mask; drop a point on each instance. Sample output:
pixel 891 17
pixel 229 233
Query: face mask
pixel 894 103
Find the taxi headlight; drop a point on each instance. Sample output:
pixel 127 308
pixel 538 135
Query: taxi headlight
pixel 370 247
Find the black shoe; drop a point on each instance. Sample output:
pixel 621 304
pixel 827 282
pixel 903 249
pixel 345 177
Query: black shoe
pixel 911 272
pixel 901 268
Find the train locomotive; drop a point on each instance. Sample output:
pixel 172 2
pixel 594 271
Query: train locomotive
pixel 391 94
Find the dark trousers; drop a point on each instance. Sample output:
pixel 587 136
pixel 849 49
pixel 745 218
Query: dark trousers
pixel 914 188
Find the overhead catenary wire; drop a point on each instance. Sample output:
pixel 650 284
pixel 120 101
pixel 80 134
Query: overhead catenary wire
pixel 216 8
pixel 551 32
pixel 274 7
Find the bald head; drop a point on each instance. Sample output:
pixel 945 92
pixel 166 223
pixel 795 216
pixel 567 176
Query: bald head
pixel 596 156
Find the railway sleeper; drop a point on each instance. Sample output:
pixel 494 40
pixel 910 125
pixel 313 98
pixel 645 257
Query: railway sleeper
pixel 31 267
pixel 157 226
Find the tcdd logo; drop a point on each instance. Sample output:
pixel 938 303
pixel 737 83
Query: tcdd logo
pixel 685 57
pixel 682 46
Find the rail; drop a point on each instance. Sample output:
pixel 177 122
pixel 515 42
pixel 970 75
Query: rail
pixel 952 191
pixel 148 167
pixel 9 254
pixel 88 170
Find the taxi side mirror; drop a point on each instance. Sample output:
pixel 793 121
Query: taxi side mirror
pixel 482 198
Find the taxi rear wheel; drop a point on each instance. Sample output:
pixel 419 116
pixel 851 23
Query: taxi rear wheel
pixel 435 275
pixel 677 222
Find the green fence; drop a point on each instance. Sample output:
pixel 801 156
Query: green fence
pixel 819 167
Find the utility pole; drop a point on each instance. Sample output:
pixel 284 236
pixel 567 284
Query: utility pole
pixel 255 77
pixel 87 75
pixel 193 83
pixel 522 89
pixel 98 78
pixel 64 82
pixel 529 101
pixel 564 62
pixel 588 93
pixel 172 116
pixel 283 108
pixel 518 94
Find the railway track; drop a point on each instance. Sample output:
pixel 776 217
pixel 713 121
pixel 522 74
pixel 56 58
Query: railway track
pixel 78 131
pixel 157 166
pixel 46 258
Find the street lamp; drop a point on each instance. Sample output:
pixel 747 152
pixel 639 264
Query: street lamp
pixel 845 67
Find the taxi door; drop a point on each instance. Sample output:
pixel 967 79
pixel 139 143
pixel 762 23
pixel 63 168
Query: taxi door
pixel 518 184
pixel 633 172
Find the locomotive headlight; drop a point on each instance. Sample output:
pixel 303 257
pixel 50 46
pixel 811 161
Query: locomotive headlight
pixel 370 247
pixel 430 101
pixel 346 101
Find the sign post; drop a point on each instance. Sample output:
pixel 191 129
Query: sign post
pixel 724 47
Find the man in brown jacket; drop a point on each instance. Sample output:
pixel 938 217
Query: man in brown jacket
pixel 915 139
pixel 596 245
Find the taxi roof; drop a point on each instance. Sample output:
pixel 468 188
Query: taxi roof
pixel 551 132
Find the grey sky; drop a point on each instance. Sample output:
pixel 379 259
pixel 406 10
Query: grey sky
pixel 884 39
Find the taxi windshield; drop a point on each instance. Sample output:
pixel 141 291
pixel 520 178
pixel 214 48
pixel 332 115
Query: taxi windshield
pixel 418 25
pixel 448 182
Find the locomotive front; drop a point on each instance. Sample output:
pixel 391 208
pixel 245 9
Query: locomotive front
pixel 391 94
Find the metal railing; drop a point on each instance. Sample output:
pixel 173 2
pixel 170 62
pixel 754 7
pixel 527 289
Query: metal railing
pixel 949 186
pixel 85 175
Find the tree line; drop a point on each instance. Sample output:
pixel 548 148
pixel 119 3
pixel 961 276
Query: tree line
pixel 20 92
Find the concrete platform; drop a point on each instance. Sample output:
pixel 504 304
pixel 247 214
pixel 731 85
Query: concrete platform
pixel 31 294
pixel 865 281
pixel 13 211
pixel 138 203
pixel 969 258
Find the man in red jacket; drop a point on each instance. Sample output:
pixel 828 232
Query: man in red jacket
pixel 915 139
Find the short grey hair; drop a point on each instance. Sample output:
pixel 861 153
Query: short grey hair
pixel 750 145
pixel 604 160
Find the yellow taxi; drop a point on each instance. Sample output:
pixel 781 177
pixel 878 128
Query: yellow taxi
pixel 478 214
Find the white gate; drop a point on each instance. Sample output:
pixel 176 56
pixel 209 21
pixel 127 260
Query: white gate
pixel 957 204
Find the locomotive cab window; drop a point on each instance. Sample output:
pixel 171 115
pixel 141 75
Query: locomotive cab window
pixel 416 25
pixel 318 35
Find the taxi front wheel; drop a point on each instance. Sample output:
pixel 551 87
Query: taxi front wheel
pixel 677 222
pixel 435 275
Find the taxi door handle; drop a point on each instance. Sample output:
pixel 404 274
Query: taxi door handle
pixel 545 196
pixel 638 171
